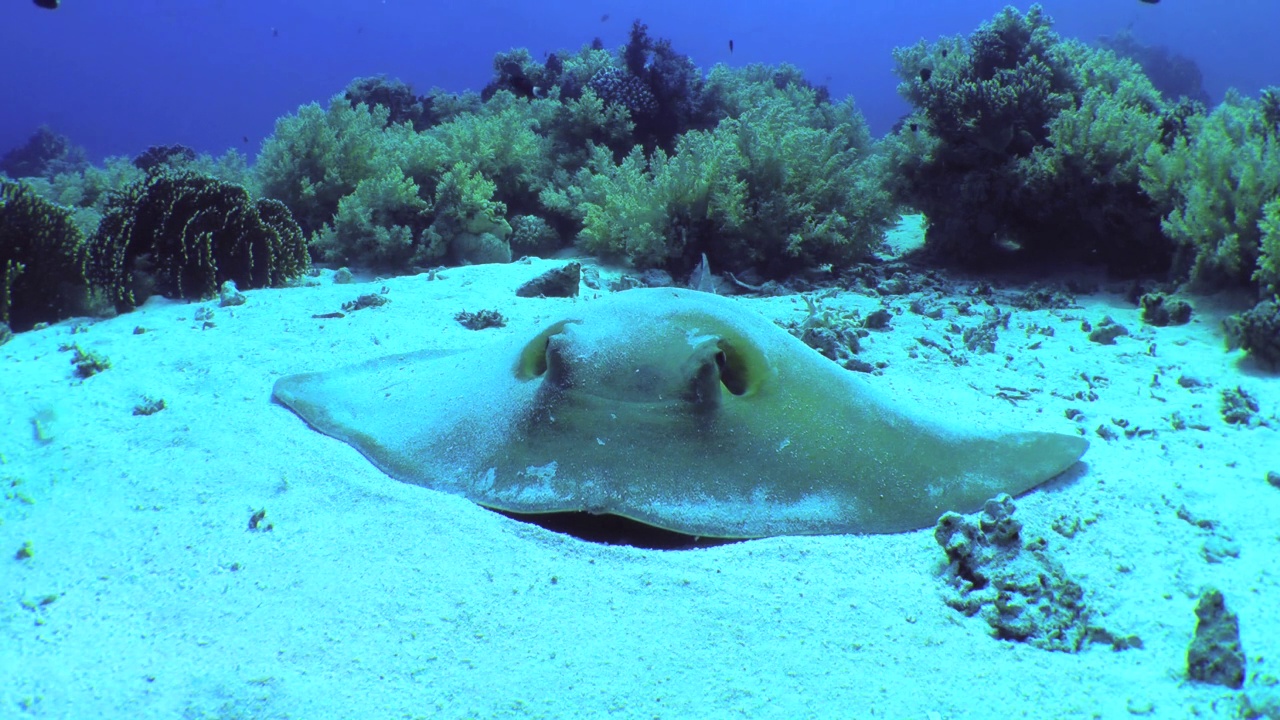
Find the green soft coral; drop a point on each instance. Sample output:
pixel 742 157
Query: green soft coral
pixel 766 190
pixel 645 212
pixel 383 223
pixel 1218 179
pixel 316 157
pixel 1268 273
pixel 470 218
pixel 502 143
pixel 811 188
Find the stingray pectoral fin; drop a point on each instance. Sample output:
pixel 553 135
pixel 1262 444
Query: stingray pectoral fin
pixel 1026 459
pixel 960 474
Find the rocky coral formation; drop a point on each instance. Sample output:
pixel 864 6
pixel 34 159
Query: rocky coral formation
pixel 1215 655
pixel 1022 593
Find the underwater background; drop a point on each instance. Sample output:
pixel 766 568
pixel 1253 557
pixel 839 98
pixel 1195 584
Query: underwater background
pixel 118 79
pixel 297 299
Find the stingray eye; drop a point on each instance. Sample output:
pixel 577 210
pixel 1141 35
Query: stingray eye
pixel 535 358
pixel 555 366
pixel 734 368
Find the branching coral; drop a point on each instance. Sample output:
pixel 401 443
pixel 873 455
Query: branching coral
pixel 42 259
pixel 183 234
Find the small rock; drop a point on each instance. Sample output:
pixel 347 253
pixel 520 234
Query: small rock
pixel 656 278
pixel 1257 331
pixel 1107 331
pixel 1041 298
pixel 896 285
pixel 560 282
pixel 1216 549
pixel 343 276
pixel 982 339
pixel 228 295
pixel 480 320
pixel 367 300
pixel 1215 655
pixel 1240 408
pixel 878 319
pixel 1161 311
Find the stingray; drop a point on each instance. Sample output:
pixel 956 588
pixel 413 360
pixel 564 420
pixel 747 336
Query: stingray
pixel 679 409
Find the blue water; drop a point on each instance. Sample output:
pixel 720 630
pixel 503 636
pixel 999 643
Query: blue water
pixel 117 77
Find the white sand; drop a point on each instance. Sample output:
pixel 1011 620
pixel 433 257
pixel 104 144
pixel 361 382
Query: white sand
pixel 373 598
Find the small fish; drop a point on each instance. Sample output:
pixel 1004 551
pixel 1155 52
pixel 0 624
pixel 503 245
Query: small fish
pixel 604 17
pixel 730 46
pixel 925 74
pixel 48 4
pixel 1150 2
pixel 275 32
pixel 244 139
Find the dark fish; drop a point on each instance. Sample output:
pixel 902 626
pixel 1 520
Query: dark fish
pixel 914 127
pixel 48 4
pixel 1150 2
pixel 245 138
pixel 604 17
pixel 943 52
pixel 275 32
pixel 730 46
pixel 925 74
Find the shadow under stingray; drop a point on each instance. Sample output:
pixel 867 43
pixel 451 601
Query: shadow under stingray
pixel 615 530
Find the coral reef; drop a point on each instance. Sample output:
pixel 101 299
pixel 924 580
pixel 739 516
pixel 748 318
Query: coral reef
pixel 316 157
pixel 1024 146
pixel 157 156
pixel 44 155
pixel 1173 74
pixel 775 189
pixel 1257 331
pixel 399 100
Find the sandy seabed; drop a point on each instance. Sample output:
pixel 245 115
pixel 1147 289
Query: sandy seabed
pixel 147 595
